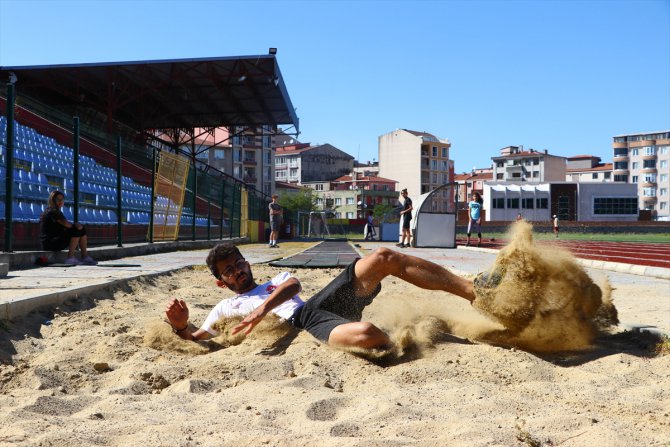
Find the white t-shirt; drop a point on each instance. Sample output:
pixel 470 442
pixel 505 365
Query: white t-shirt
pixel 246 303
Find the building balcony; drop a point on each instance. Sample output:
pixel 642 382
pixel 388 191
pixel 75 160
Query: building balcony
pixel 620 145
pixel 621 157
pixel 250 162
pixel 621 170
pixel 648 183
pixel 648 156
pixel 514 168
pixel 649 198
pixel 648 170
pixel 249 179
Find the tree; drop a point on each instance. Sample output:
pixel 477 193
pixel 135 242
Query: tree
pixel 303 200
pixel 385 213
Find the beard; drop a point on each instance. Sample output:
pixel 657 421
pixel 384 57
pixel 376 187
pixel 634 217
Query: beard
pixel 244 282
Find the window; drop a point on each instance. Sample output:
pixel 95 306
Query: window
pixel 434 151
pixel 433 165
pixel 527 203
pixel 615 205
pixel 500 164
pixel 594 176
pixel 319 201
pixel 621 165
pixel 338 201
pixel 445 154
pixel 350 215
pixel 621 178
pixel 513 203
pixel 318 187
pixel 350 200
pixel 619 139
pixel 649 150
pixel 499 203
pixel 608 175
pixel 516 175
pixel 542 203
pixel 536 161
pixel 663 205
pixel 536 174
pixel 634 179
pixel 663 164
pixel 634 151
pixel 236 140
pixel 649 192
pixel 620 152
pixel 219 154
pixel 434 178
pixel 635 165
pixel 649 164
pixel 445 166
pixel 499 176
pixel 662 150
pixel 650 178
pixel 663 192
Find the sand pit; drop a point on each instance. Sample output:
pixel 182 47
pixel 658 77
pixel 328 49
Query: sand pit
pixel 93 377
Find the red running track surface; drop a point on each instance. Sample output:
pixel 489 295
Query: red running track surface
pixel 638 253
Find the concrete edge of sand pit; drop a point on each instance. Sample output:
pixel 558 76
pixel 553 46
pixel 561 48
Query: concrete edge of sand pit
pixel 22 306
pixel 633 269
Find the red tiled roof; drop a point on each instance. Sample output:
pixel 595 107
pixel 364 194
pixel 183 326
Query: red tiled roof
pixel 599 167
pixel 576 157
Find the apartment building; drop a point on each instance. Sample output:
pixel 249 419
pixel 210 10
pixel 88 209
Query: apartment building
pixel 516 165
pixel 588 168
pixel 418 161
pixel 471 182
pixel 643 159
pixel 352 196
pixel 303 163
pixel 242 152
pixel 371 168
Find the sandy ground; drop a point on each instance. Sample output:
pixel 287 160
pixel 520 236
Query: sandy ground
pixel 88 378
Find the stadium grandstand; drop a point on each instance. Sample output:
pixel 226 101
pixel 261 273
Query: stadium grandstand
pixel 118 140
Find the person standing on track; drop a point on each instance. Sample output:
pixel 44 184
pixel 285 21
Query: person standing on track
pixel 275 220
pixel 475 217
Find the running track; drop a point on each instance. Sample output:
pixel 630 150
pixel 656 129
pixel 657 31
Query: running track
pixel 638 253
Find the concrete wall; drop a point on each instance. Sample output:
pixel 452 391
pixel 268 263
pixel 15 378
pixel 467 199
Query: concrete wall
pixel 554 169
pixel 400 160
pixel 587 192
pixel 492 191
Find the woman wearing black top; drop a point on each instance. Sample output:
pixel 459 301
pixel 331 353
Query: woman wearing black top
pixel 58 233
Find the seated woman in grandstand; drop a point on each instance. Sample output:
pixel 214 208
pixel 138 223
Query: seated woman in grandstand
pixel 57 233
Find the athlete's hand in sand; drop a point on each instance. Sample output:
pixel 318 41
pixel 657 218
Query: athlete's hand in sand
pixel 250 321
pixel 177 313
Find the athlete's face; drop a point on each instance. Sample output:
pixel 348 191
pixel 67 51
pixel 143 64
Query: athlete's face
pixel 235 273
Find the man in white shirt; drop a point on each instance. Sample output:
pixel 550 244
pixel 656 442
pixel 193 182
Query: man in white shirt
pixel 332 315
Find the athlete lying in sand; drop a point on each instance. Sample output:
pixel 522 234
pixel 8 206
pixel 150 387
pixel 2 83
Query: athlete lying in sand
pixel 333 315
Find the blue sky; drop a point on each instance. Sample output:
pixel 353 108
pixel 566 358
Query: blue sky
pixel 559 75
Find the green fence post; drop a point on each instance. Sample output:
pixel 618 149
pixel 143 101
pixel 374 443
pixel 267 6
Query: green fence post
pixel 75 168
pixel 223 201
pixel 153 195
pixel 232 211
pixel 194 201
pixel 119 207
pixel 9 180
pixel 209 218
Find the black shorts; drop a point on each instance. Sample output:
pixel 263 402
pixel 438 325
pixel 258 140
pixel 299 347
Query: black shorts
pixel 274 224
pixel 406 219
pixel 334 305
pixel 62 241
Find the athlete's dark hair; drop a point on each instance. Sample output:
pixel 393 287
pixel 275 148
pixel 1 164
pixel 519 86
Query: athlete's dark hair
pixel 219 253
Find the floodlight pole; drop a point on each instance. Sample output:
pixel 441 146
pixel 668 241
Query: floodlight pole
pixel 9 180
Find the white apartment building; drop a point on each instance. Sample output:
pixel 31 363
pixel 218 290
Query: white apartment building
pixel 588 169
pixel 643 159
pixel 516 165
pixel 418 161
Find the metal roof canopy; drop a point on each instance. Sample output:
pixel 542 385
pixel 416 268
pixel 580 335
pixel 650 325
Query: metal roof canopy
pixel 182 93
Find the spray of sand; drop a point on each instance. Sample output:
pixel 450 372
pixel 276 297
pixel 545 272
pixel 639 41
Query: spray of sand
pixel 546 301
pixel 160 336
